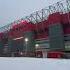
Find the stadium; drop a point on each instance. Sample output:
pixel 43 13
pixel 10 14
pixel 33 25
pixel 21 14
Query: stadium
pixel 42 34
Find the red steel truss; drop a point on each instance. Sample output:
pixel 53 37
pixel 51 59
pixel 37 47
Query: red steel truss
pixel 42 15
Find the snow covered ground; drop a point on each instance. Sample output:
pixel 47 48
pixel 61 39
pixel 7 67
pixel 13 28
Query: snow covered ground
pixel 33 64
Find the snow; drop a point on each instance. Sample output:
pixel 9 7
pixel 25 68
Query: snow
pixel 14 63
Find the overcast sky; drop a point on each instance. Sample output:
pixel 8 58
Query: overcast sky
pixel 11 10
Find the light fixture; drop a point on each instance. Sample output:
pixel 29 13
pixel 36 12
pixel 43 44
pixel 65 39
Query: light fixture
pixel 26 40
pixel 18 38
pixel 37 46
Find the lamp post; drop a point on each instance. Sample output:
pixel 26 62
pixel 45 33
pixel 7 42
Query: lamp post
pixel 36 47
pixel 26 42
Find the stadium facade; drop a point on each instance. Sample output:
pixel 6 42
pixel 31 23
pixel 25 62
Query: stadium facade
pixel 44 33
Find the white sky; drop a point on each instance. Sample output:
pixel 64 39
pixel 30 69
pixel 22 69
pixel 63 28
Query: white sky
pixel 11 10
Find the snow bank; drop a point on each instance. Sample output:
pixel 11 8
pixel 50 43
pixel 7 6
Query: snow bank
pixel 33 64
